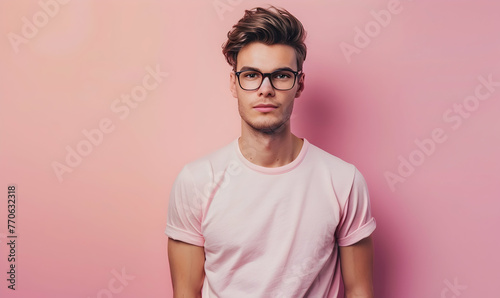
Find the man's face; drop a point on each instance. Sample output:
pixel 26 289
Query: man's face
pixel 266 59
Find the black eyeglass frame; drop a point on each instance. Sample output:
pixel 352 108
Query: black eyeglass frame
pixel 268 74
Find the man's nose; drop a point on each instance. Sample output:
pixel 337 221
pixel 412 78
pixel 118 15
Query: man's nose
pixel 266 88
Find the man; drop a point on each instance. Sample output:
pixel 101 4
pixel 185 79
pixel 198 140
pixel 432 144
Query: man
pixel 269 215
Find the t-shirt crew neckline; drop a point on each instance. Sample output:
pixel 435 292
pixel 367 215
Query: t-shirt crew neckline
pixel 276 170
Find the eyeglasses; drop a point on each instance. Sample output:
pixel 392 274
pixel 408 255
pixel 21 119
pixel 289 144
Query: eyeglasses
pixel 282 80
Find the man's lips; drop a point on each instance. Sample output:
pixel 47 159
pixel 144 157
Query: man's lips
pixel 265 108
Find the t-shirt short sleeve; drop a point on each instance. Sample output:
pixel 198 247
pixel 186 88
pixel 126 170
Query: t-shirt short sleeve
pixel 185 213
pixel 356 220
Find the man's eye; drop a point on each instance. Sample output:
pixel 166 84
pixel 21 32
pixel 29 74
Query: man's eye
pixel 282 76
pixel 251 75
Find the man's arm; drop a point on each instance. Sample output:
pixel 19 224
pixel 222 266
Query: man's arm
pixel 186 268
pixel 356 262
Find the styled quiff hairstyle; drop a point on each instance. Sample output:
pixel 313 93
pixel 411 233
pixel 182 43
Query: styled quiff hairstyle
pixel 269 26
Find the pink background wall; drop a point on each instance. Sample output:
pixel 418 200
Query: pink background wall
pixel 419 78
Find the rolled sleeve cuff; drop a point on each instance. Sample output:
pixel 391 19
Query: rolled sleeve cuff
pixel 361 233
pixel 184 236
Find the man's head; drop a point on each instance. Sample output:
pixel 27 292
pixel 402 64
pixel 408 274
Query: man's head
pixel 266 50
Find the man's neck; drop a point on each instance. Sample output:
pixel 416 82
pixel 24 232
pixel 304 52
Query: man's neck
pixel 274 150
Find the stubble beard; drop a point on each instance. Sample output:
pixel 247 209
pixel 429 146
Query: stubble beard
pixel 266 127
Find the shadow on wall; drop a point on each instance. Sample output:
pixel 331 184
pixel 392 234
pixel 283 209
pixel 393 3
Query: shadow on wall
pixel 386 253
pixel 322 116
pixel 320 113
pixel 315 115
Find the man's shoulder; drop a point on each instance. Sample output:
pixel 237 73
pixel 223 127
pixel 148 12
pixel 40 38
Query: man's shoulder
pixel 218 155
pixel 329 160
pixel 342 174
pixel 211 162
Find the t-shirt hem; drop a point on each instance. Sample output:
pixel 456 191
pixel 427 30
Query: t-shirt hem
pixel 363 232
pixel 184 236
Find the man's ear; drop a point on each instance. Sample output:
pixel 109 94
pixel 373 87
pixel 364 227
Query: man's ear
pixel 232 84
pixel 301 84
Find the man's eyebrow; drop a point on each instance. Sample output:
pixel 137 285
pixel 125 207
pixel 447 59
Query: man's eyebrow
pixel 249 68
pixel 244 68
pixel 284 68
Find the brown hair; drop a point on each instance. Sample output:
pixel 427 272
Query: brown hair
pixel 269 26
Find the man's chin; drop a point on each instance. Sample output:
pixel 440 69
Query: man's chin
pixel 267 128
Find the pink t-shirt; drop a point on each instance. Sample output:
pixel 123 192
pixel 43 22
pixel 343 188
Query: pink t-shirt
pixel 270 232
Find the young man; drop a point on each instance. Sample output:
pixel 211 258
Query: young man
pixel 269 215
